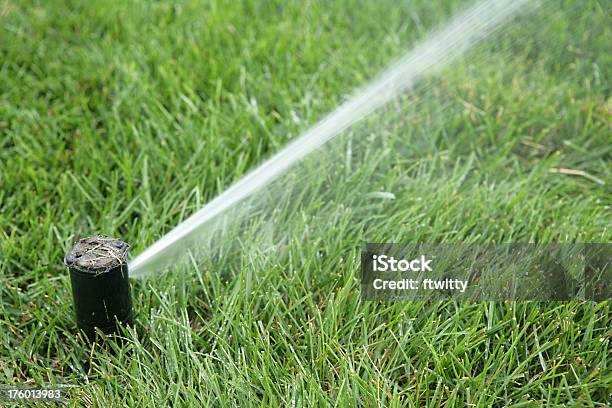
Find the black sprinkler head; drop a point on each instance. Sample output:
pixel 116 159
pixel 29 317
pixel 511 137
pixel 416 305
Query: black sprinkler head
pixel 100 286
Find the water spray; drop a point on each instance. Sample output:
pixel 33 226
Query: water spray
pixel 441 47
pixel 100 285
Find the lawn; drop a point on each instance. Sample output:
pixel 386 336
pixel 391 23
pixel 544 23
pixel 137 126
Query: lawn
pixel 123 118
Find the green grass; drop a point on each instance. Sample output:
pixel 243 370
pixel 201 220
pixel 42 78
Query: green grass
pixel 125 117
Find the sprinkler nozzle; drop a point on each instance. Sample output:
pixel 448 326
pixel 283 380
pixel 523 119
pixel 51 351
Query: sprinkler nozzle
pixel 100 286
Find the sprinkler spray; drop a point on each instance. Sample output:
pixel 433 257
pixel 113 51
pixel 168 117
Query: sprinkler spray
pixel 436 51
pixel 100 286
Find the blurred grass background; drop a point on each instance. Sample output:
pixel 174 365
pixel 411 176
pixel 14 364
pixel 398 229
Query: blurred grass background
pixel 124 117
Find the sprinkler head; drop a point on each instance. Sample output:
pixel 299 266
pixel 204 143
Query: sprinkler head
pixel 100 286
